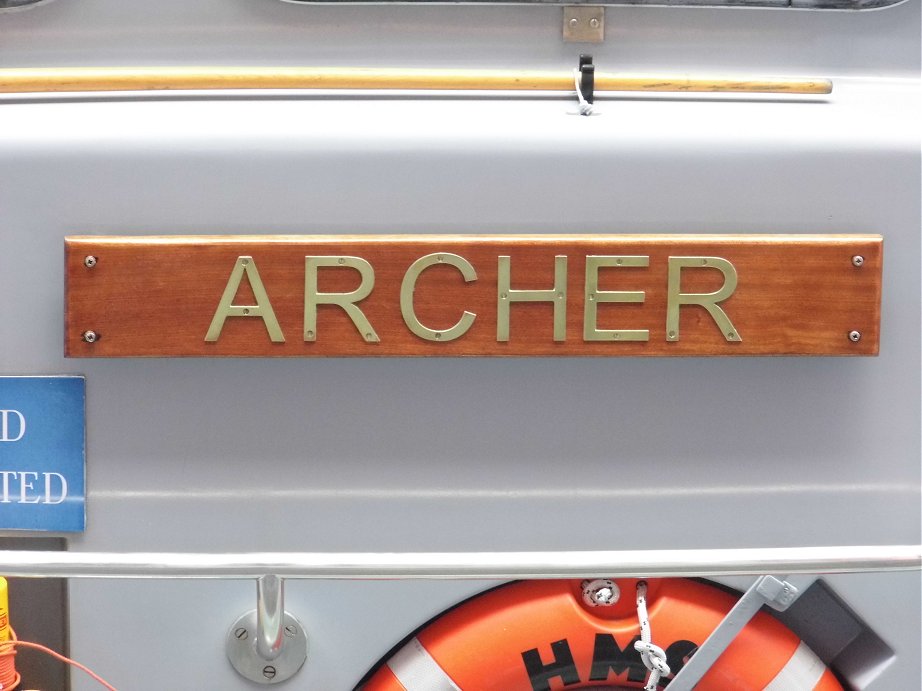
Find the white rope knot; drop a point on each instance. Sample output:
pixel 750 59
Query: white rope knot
pixel 653 657
pixel 585 107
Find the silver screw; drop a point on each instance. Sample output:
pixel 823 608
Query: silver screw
pixel 854 336
pixel 90 336
pixel 240 633
pixel 574 23
pixel 594 23
pixel 268 671
pixel 601 592
pixel 291 631
pixel 89 261
pixel 858 260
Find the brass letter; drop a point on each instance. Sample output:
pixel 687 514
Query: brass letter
pixel 708 301
pixel 557 295
pixel 594 296
pixel 262 308
pixel 312 297
pixel 408 287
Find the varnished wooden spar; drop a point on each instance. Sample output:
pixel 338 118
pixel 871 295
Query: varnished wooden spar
pixel 82 79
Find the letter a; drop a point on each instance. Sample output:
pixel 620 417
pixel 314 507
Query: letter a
pixel 262 308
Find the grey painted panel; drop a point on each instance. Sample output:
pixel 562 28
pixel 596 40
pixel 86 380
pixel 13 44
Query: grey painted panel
pixel 351 625
pixel 517 454
pixel 464 454
pixel 114 32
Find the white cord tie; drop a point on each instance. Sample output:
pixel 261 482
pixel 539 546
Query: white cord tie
pixel 654 657
pixel 585 107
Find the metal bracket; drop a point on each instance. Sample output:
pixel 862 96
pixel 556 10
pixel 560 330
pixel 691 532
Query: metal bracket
pixel 586 78
pixel 267 645
pixel 779 594
pixel 583 24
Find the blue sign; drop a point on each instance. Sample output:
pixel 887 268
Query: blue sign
pixel 42 453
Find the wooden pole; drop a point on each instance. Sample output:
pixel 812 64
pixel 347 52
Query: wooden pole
pixel 83 79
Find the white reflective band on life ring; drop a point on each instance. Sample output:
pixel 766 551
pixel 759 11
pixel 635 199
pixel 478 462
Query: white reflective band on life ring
pixel 417 671
pixel 803 671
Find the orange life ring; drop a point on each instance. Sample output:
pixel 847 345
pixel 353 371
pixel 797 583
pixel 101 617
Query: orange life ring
pixel 542 636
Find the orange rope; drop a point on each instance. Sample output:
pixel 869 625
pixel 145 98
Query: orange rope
pixel 9 678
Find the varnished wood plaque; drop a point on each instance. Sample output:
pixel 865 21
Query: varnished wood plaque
pixel 454 295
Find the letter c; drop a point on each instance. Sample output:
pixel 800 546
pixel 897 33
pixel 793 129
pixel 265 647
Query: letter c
pixel 408 288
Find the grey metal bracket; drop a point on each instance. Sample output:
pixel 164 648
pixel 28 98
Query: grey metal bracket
pixel 777 593
pixel 267 645
pixel 583 23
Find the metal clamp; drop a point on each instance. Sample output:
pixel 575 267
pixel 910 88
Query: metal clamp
pixel 779 594
pixel 586 77
pixel 267 645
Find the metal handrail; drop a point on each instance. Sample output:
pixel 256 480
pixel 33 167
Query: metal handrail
pixel 465 565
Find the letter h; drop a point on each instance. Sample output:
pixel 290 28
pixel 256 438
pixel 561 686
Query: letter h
pixel 562 666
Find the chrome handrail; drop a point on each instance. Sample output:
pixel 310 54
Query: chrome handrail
pixel 465 565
